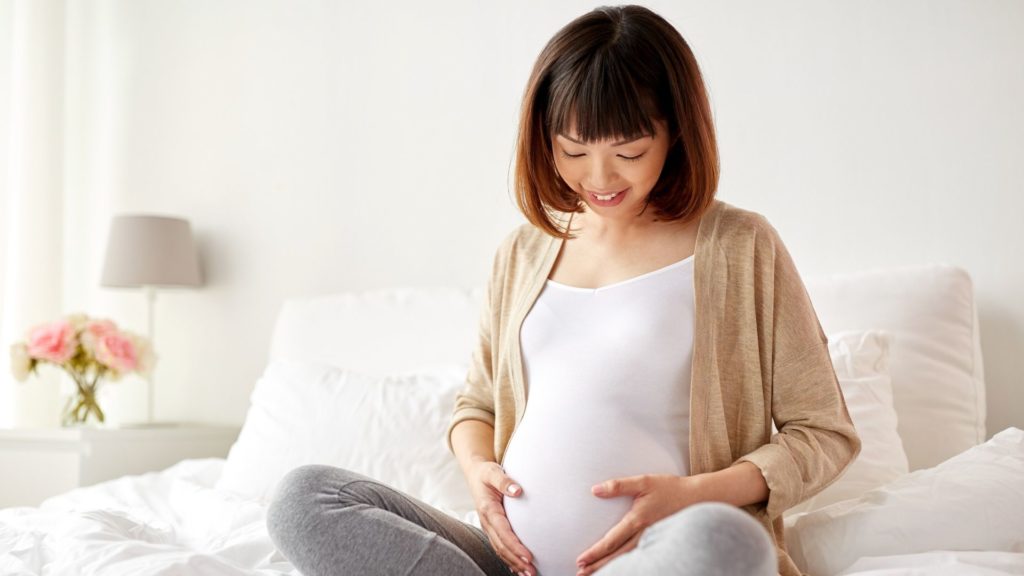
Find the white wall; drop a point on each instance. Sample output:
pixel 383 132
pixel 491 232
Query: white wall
pixel 325 146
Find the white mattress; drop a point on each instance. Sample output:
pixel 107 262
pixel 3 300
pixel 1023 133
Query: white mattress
pixel 173 522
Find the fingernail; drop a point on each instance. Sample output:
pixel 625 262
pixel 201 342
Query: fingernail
pixel 514 489
pixel 523 558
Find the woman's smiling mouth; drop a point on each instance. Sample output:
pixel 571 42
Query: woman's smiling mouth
pixel 610 199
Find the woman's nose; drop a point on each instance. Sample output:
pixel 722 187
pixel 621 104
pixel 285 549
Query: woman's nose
pixel 602 176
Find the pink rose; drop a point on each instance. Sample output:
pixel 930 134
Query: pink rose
pixel 116 351
pixel 93 331
pixel 100 327
pixel 54 342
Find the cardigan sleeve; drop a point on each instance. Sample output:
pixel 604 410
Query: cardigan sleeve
pixel 816 440
pixel 475 401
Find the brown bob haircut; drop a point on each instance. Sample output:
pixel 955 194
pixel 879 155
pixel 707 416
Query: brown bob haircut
pixel 614 71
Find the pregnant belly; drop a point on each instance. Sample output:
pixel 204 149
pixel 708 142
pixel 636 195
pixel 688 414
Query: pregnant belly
pixel 557 517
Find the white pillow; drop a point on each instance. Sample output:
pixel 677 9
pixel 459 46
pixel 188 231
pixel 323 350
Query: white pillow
pixel 935 359
pixel 972 501
pixel 861 362
pixel 390 428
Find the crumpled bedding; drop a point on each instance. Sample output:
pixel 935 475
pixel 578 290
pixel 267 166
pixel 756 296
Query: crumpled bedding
pixel 173 522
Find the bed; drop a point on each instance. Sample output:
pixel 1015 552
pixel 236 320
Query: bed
pixel 929 494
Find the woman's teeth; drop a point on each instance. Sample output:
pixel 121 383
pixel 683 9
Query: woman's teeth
pixel 606 198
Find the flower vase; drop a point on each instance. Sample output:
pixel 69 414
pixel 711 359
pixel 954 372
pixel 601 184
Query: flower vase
pixel 81 407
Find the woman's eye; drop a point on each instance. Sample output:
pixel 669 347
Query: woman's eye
pixel 627 158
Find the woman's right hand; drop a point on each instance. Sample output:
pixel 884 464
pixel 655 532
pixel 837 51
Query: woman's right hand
pixel 487 483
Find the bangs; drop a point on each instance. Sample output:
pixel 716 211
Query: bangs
pixel 603 98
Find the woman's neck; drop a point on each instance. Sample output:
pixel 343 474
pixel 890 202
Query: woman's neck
pixel 601 230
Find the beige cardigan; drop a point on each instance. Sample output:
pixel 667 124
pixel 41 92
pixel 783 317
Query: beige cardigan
pixel 759 352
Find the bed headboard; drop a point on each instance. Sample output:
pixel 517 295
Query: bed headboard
pixel 380 331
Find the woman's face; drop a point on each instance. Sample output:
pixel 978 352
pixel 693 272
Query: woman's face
pixel 596 170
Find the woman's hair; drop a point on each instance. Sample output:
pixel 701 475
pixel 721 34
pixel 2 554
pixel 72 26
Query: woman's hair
pixel 612 72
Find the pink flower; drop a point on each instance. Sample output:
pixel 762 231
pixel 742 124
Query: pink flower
pixel 54 342
pixel 115 350
pixel 93 331
pixel 100 327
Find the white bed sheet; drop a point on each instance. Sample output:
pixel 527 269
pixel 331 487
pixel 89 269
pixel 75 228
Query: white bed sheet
pixel 168 523
pixel 174 522
pixel 944 563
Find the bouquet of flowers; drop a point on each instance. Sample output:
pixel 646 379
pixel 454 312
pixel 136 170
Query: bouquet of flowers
pixel 90 350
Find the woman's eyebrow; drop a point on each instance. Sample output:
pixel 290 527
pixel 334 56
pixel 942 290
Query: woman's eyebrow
pixel 571 139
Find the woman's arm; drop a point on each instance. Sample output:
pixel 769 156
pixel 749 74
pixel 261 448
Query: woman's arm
pixel 475 401
pixel 816 440
pixel 740 485
pixel 473 441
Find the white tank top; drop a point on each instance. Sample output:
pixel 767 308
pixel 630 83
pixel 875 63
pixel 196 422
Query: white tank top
pixel 608 376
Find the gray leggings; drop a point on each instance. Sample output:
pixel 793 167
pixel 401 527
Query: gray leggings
pixel 328 520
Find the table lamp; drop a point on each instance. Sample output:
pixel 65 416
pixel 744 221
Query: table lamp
pixel 150 252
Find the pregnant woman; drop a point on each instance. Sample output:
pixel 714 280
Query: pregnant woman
pixel 638 340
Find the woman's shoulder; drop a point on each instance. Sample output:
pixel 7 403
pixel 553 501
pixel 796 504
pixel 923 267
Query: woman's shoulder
pixel 734 225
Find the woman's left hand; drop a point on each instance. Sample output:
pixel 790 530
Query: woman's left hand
pixel 655 496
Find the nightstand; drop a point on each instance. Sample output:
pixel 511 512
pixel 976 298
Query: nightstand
pixel 41 462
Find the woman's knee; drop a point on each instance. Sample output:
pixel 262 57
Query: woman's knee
pixel 301 493
pixel 726 534
pixel 718 520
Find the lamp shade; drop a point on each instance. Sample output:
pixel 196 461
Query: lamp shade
pixel 145 250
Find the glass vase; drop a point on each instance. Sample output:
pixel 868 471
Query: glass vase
pixel 81 408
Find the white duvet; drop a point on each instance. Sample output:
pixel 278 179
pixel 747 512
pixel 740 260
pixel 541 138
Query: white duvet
pixel 174 522
pixel 168 522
